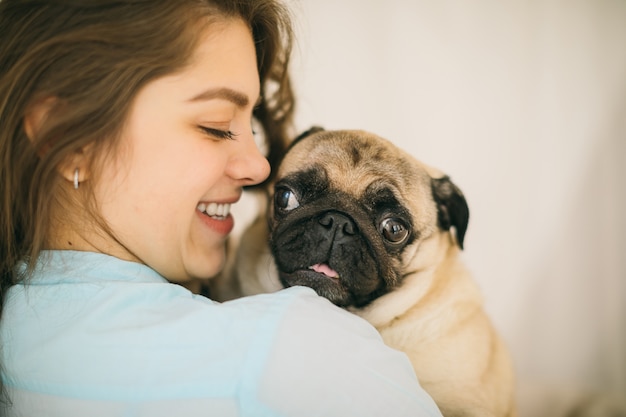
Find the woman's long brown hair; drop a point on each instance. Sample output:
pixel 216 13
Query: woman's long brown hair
pixel 92 57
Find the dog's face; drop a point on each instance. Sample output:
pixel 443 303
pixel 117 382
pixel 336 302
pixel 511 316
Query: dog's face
pixel 351 212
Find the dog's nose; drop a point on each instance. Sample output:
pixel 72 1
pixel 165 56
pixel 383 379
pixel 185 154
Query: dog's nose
pixel 339 224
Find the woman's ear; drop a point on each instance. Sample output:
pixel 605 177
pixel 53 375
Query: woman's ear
pixel 75 168
pixel 36 116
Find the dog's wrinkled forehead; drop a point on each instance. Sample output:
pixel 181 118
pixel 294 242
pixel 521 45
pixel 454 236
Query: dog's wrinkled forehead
pixel 356 160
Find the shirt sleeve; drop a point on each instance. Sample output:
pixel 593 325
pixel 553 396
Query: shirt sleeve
pixel 328 362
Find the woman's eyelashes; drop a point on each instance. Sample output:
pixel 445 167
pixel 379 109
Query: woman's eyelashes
pixel 218 133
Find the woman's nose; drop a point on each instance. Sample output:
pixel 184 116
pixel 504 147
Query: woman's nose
pixel 248 165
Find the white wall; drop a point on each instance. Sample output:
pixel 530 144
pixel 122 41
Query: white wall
pixel 523 104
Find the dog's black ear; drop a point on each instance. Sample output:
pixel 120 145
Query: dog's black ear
pixel 279 158
pixel 451 207
pixel 309 132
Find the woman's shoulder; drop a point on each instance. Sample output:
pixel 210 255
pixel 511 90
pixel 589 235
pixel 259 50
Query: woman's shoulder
pixel 322 349
pixel 290 352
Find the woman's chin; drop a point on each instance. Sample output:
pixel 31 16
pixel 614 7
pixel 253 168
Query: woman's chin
pixel 211 264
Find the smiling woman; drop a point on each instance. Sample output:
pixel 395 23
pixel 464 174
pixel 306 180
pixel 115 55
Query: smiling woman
pixel 184 122
pixel 126 137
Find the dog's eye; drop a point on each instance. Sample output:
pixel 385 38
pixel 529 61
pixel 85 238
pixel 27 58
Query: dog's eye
pixel 285 200
pixel 394 230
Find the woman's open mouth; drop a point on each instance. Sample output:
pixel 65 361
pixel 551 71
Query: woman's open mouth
pixel 215 210
pixel 217 217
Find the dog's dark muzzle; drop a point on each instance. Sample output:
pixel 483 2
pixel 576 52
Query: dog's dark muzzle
pixel 327 249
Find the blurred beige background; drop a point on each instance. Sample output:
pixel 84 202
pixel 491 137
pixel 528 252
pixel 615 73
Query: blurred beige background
pixel 523 104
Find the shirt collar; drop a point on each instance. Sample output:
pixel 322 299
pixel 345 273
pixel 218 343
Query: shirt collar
pixel 68 266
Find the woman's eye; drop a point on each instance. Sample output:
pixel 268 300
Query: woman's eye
pixel 394 230
pixel 218 133
pixel 285 200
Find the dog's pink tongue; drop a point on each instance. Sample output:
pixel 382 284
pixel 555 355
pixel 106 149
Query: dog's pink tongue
pixel 325 269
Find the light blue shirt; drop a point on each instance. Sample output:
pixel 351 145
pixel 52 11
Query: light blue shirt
pixel 91 335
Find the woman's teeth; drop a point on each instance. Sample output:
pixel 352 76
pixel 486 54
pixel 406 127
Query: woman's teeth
pixel 214 209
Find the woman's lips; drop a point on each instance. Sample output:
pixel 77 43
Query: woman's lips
pixel 217 217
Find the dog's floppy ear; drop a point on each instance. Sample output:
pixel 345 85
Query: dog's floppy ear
pixel 309 132
pixel 451 207
pixel 279 159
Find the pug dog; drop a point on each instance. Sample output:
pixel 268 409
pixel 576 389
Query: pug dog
pixel 379 233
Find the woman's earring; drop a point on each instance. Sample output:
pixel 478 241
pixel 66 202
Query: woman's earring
pixel 76 179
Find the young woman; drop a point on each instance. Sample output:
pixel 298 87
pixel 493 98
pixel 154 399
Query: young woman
pixel 125 136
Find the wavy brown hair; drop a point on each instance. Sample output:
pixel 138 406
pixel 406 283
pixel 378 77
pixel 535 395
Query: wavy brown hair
pixel 93 57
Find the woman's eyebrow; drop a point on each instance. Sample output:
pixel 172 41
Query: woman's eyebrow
pixel 238 98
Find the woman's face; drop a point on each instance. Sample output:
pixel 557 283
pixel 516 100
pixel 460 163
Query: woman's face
pixel 186 151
